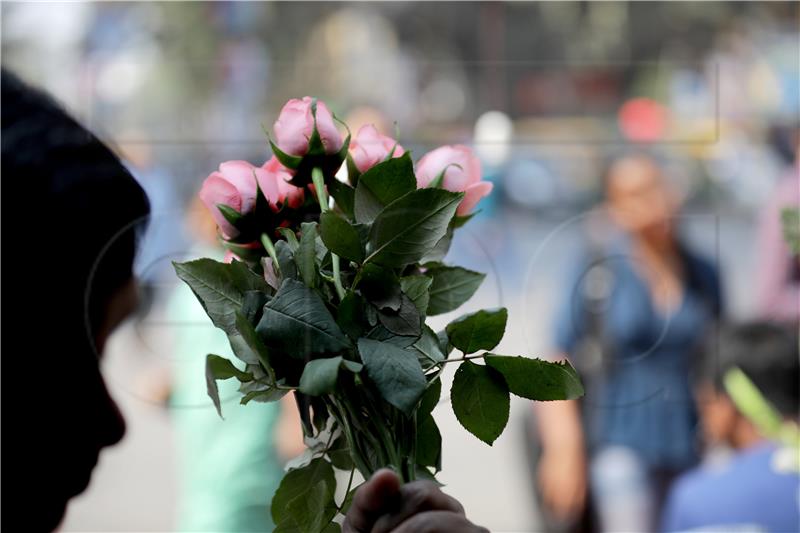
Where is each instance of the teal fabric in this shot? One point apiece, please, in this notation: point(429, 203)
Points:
point(228, 468)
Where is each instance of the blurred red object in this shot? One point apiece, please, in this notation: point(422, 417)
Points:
point(642, 120)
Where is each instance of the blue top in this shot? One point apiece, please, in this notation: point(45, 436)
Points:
point(643, 399)
point(748, 494)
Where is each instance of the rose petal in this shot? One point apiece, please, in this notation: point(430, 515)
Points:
point(462, 167)
point(331, 138)
point(217, 190)
point(473, 195)
point(273, 179)
point(294, 126)
point(369, 147)
point(240, 174)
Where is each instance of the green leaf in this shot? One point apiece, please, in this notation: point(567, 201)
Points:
point(291, 238)
point(535, 379)
point(459, 221)
point(405, 321)
point(339, 454)
point(444, 343)
point(395, 372)
point(340, 237)
point(287, 160)
point(381, 185)
point(480, 400)
point(285, 260)
point(243, 252)
point(306, 255)
point(319, 376)
point(352, 171)
point(416, 288)
point(299, 483)
point(423, 473)
point(429, 443)
point(297, 321)
point(231, 215)
point(343, 195)
point(303, 402)
point(320, 413)
point(250, 344)
point(220, 368)
point(350, 315)
point(482, 330)
point(430, 399)
point(428, 348)
point(380, 333)
point(220, 288)
point(265, 395)
point(439, 251)
point(451, 287)
point(253, 304)
point(411, 226)
point(379, 286)
point(309, 512)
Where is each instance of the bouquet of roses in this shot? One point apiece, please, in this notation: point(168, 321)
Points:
point(325, 290)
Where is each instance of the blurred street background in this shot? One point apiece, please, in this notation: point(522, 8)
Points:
point(544, 92)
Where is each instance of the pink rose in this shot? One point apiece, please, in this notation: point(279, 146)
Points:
point(368, 148)
point(295, 125)
point(465, 177)
point(233, 185)
point(273, 179)
point(229, 257)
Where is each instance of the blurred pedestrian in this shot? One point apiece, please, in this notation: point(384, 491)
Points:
point(778, 277)
point(748, 396)
point(634, 312)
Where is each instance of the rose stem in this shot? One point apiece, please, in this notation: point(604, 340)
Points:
point(322, 197)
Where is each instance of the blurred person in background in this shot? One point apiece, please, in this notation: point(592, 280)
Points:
point(748, 397)
point(229, 469)
point(778, 281)
point(165, 235)
point(90, 214)
point(634, 311)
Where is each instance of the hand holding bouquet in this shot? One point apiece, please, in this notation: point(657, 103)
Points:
point(325, 291)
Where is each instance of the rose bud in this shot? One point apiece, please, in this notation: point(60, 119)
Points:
point(459, 169)
point(273, 180)
point(368, 148)
point(295, 125)
point(234, 185)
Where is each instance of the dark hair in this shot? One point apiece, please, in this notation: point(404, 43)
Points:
point(77, 213)
point(83, 210)
point(767, 353)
